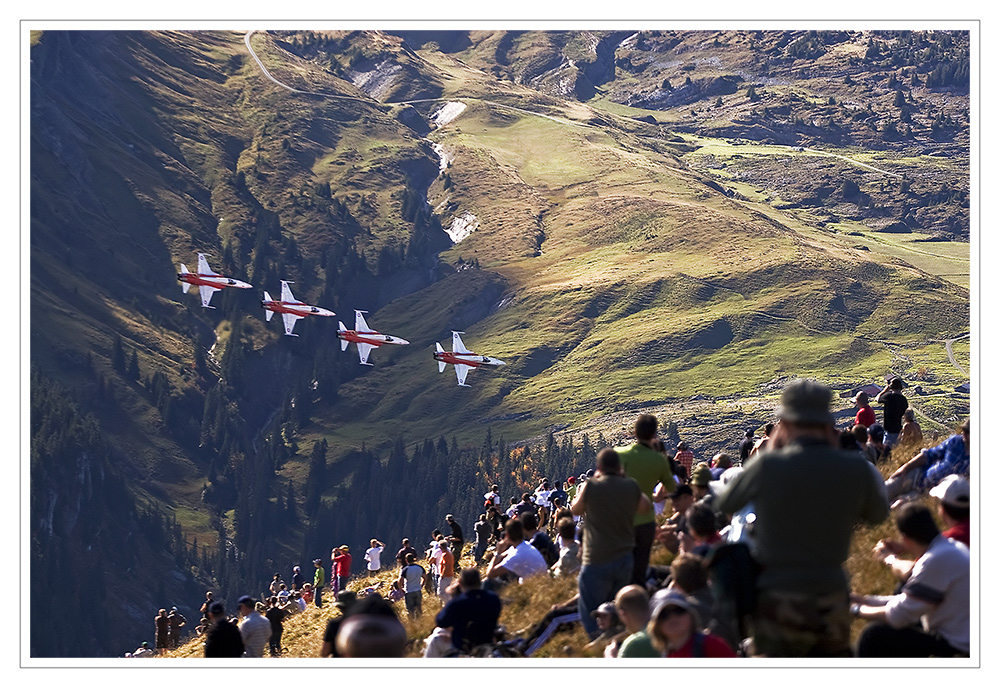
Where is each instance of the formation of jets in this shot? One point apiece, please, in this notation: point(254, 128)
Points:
point(292, 310)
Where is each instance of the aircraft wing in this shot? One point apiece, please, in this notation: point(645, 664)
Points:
point(290, 319)
point(363, 351)
point(286, 293)
point(359, 322)
point(461, 370)
point(203, 266)
point(206, 294)
point(457, 345)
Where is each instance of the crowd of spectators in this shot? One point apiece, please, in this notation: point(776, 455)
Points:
point(751, 573)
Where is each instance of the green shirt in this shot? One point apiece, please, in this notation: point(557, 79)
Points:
point(638, 645)
point(647, 467)
point(318, 577)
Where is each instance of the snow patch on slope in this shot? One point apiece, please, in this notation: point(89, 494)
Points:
point(462, 226)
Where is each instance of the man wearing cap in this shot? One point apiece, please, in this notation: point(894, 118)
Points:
point(223, 638)
point(893, 405)
point(866, 414)
point(254, 628)
point(648, 467)
point(932, 465)
point(802, 590)
point(953, 507)
point(319, 580)
point(935, 595)
point(608, 503)
point(341, 570)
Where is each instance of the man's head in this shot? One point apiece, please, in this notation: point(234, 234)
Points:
point(915, 523)
point(371, 630)
point(876, 433)
point(645, 427)
point(411, 558)
point(953, 494)
point(526, 497)
point(606, 615)
point(469, 579)
point(860, 434)
point(896, 384)
point(530, 522)
point(514, 530)
point(749, 433)
point(689, 573)
point(632, 603)
point(700, 521)
point(494, 488)
point(216, 611)
point(608, 462)
point(567, 529)
point(806, 403)
point(246, 604)
point(681, 498)
point(701, 476)
point(449, 518)
point(722, 460)
point(317, 562)
point(908, 415)
point(860, 399)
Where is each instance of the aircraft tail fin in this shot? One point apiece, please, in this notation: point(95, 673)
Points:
point(268, 314)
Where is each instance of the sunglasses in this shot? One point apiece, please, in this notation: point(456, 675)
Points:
point(668, 612)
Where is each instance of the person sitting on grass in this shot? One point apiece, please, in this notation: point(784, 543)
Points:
point(674, 630)
point(932, 465)
point(514, 559)
point(935, 595)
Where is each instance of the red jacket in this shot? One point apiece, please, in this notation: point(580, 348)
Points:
point(342, 564)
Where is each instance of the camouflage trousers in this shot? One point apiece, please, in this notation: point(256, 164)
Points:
point(793, 624)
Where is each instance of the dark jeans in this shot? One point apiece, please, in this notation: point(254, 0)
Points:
point(599, 583)
point(414, 602)
point(644, 535)
point(317, 595)
point(882, 640)
point(275, 642)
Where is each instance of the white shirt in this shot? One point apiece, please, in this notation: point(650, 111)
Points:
point(372, 557)
point(936, 594)
point(524, 561)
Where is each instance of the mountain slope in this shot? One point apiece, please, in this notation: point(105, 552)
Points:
point(612, 262)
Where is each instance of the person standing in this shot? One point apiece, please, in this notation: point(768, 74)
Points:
point(319, 580)
point(608, 503)
point(276, 616)
point(413, 578)
point(176, 623)
point(373, 555)
point(645, 465)
point(162, 636)
point(457, 539)
point(802, 605)
point(866, 414)
point(405, 548)
point(341, 571)
point(297, 579)
point(484, 531)
point(894, 404)
point(254, 628)
point(746, 446)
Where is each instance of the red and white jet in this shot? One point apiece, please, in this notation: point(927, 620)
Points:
point(207, 280)
point(365, 337)
point(463, 359)
point(291, 309)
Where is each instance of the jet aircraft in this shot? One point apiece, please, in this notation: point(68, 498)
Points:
point(365, 337)
point(463, 359)
point(291, 309)
point(207, 280)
